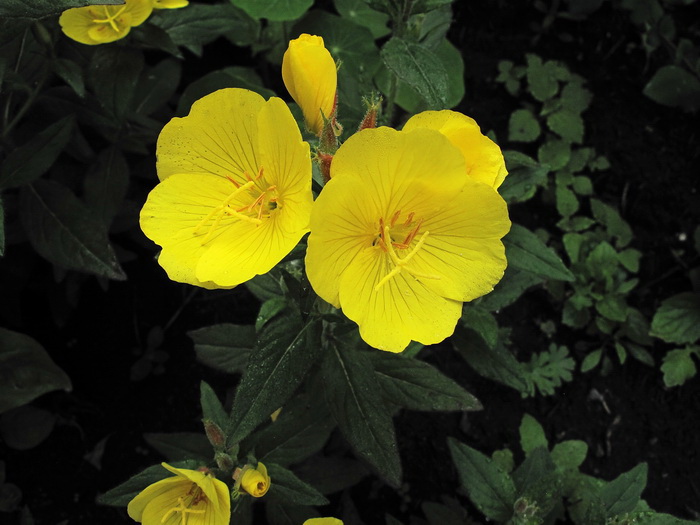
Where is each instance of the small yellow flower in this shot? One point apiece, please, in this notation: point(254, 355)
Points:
point(190, 496)
point(311, 77)
point(483, 157)
point(169, 4)
point(323, 521)
point(400, 237)
point(254, 481)
point(101, 24)
point(235, 191)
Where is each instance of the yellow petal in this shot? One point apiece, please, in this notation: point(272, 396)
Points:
point(216, 491)
point(169, 4)
point(165, 490)
point(323, 521)
point(310, 75)
point(217, 137)
point(101, 24)
point(139, 10)
point(483, 157)
point(401, 310)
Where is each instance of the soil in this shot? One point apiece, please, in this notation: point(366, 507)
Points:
point(627, 417)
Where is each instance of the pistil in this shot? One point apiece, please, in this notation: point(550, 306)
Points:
point(110, 18)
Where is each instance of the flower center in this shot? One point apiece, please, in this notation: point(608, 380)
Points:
point(111, 19)
point(408, 230)
point(192, 499)
point(247, 202)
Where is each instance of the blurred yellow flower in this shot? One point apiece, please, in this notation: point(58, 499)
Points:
point(483, 157)
point(169, 4)
point(311, 77)
point(400, 237)
point(235, 191)
point(255, 481)
point(101, 24)
point(323, 521)
point(190, 496)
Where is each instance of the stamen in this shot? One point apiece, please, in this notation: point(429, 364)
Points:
point(219, 209)
point(400, 264)
point(409, 219)
point(183, 509)
point(395, 218)
point(110, 18)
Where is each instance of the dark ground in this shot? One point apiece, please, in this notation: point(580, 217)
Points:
point(97, 442)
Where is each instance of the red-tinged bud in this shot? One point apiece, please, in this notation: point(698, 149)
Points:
point(373, 105)
point(324, 162)
point(215, 435)
point(328, 139)
point(224, 461)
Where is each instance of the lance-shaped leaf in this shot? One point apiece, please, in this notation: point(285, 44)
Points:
point(355, 400)
point(418, 67)
point(115, 70)
point(64, 231)
point(491, 490)
point(622, 494)
point(285, 487)
point(34, 158)
point(224, 347)
point(284, 353)
point(212, 409)
point(35, 9)
point(525, 251)
point(106, 184)
point(416, 385)
point(26, 370)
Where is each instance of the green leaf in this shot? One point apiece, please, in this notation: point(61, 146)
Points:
point(678, 319)
point(418, 67)
point(359, 12)
point(224, 347)
point(525, 251)
point(566, 124)
point(36, 9)
point(542, 78)
point(534, 478)
point(567, 203)
point(554, 153)
point(354, 398)
point(32, 159)
point(200, 24)
point(583, 185)
point(181, 446)
point(268, 310)
point(525, 175)
point(613, 222)
point(523, 126)
point(285, 351)
point(156, 86)
point(121, 495)
point(25, 427)
point(613, 307)
point(71, 73)
point(531, 435)
point(548, 370)
point(416, 385)
point(285, 487)
point(569, 454)
point(514, 283)
point(482, 322)
point(26, 371)
point(678, 366)
point(114, 73)
point(674, 86)
point(622, 494)
point(490, 490)
point(212, 409)
point(274, 10)
point(301, 429)
point(591, 360)
point(575, 98)
point(106, 183)
point(494, 363)
point(64, 231)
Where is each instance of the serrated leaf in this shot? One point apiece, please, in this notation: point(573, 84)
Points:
point(613, 307)
point(525, 251)
point(212, 409)
point(181, 446)
point(548, 370)
point(622, 494)
point(285, 351)
point(64, 231)
point(224, 347)
point(537, 468)
point(106, 183)
point(354, 398)
point(417, 66)
point(575, 98)
point(114, 72)
point(532, 434)
point(613, 222)
point(36, 9)
point(678, 366)
point(566, 124)
point(416, 385)
point(285, 487)
point(678, 319)
point(674, 86)
point(569, 454)
point(27, 371)
point(274, 10)
point(541, 78)
point(490, 490)
point(523, 126)
point(32, 159)
point(554, 153)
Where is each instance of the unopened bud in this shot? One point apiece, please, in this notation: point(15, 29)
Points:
point(215, 435)
point(373, 104)
point(324, 162)
point(223, 461)
point(251, 480)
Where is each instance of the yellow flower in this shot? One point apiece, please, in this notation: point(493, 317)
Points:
point(311, 77)
point(190, 496)
point(101, 24)
point(483, 157)
point(400, 237)
point(235, 191)
point(255, 481)
point(169, 4)
point(323, 521)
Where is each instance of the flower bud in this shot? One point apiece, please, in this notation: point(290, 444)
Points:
point(215, 434)
point(223, 461)
point(254, 481)
point(373, 104)
point(310, 75)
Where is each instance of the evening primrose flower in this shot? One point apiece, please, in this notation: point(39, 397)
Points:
point(483, 157)
point(311, 77)
point(101, 24)
point(169, 4)
point(235, 191)
point(253, 480)
point(400, 237)
point(191, 496)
